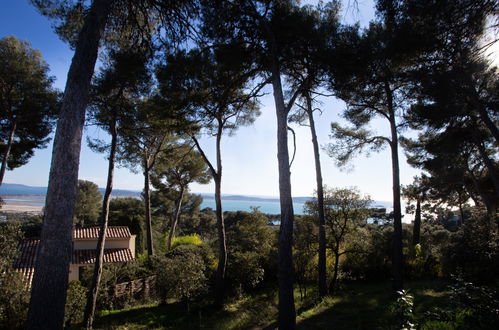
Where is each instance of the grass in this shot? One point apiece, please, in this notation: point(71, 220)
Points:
point(356, 306)
point(366, 306)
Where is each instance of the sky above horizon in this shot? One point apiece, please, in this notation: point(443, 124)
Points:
point(249, 157)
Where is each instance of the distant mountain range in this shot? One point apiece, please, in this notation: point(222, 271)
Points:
point(20, 189)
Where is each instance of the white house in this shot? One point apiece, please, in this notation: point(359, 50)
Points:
point(119, 247)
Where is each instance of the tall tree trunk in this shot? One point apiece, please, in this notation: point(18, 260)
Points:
point(320, 202)
point(490, 166)
point(222, 247)
point(461, 213)
point(101, 243)
point(147, 203)
point(416, 231)
point(55, 249)
point(7, 151)
point(484, 116)
point(335, 270)
point(287, 313)
point(483, 195)
point(175, 218)
point(397, 256)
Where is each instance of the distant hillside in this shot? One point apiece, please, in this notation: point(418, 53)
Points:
point(254, 198)
point(20, 189)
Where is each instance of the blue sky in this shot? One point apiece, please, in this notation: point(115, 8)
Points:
point(249, 157)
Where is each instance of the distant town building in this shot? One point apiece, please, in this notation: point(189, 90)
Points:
point(119, 247)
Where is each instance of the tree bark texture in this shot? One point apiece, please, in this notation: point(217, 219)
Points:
point(147, 204)
point(335, 270)
point(222, 246)
point(7, 152)
point(94, 289)
point(416, 231)
point(489, 164)
point(320, 203)
point(484, 116)
point(216, 173)
point(50, 280)
point(461, 213)
point(287, 313)
point(397, 256)
point(174, 222)
point(487, 202)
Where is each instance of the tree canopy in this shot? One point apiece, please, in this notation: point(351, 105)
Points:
point(28, 103)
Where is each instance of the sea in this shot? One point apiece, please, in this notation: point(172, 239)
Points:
point(35, 196)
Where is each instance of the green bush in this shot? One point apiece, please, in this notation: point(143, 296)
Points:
point(474, 250)
point(250, 245)
point(14, 300)
point(471, 307)
point(186, 240)
point(14, 296)
point(402, 312)
point(76, 300)
point(438, 325)
point(374, 263)
point(181, 274)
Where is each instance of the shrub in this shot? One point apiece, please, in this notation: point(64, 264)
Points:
point(75, 303)
point(250, 244)
point(374, 262)
point(186, 240)
point(14, 297)
point(14, 300)
point(472, 307)
point(181, 274)
point(474, 250)
point(402, 311)
point(482, 301)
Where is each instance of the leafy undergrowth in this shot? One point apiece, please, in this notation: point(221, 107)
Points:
point(357, 306)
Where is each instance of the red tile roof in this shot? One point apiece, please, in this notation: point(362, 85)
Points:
point(82, 257)
point(93, 232)
point(25, 263)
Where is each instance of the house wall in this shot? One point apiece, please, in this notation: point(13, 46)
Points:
point(74, 272)
point(131, 244)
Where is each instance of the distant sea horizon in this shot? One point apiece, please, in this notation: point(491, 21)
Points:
point(35, 196)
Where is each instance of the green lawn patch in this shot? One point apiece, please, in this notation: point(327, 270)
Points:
point(356, 306)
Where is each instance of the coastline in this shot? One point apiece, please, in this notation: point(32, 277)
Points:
point(21, 208)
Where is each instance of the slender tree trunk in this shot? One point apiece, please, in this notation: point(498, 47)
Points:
point(175, 218)
point(320, 202)
point(7, 152)
point(335, 270)
point(416, 231)
point(472, 194)
point(397, 257)
point(287, 313)
point(50, 280)
point(101, 243)
point(147, 203)
point(483, 195)
point(222, 247)
point(490, 166)
point(461, 213)
point(484, 116)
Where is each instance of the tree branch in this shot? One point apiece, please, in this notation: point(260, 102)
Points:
point(198, 146)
